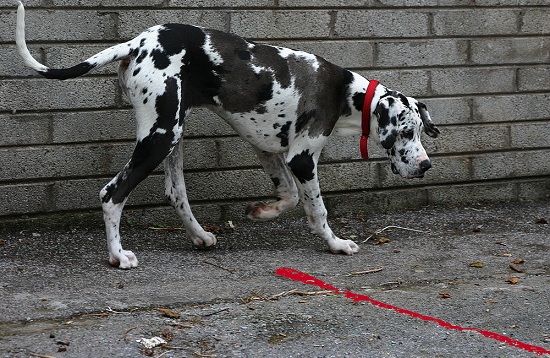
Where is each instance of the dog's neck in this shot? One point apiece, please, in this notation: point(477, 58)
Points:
point(350, 124)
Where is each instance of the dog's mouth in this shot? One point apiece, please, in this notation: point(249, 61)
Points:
point(418, 174)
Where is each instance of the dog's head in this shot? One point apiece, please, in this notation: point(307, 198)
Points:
point(401, 120)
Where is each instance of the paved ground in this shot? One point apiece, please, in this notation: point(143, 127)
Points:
point(60, 298)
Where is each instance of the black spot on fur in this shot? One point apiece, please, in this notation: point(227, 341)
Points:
point(141, 56)
point(136, 71)
point(243, 55)
point(404, 100)
point(160, 59)
point(358, 100)
point(283, 134)
point(303, 120)
point(302, 166)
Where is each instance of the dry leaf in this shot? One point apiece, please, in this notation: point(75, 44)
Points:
point(515, 268)
point(512, 280)
point(541, 221)
point(518, 261)
point(382, 240)
point(167, 312)
point(444, 295)
point(477, 264)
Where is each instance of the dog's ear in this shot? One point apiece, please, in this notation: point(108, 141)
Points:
point(429, 126)
point(387, 126)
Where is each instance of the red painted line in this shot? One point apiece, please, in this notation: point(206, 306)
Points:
point(311, 280)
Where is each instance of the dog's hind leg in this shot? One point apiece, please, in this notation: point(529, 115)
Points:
point(285, 187)
point(175, 191)
point(159, 129)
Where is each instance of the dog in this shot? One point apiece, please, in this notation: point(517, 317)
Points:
point(285, 103)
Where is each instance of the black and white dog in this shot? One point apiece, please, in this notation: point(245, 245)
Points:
point(285, 103)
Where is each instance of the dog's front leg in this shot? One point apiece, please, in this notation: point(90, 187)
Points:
point(175, 191)
point(304, 167)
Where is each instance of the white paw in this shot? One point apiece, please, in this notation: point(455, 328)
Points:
point(339, 246)
point(125, 260)
point(204, 240)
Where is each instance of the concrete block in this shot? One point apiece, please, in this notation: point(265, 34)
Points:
point(63, 161)
point(61, 25)
point(449, 110)
point(341, 148)
point(530, 135)
point(420, 53)
point(222, 3)
point(281, 24)
point(475, 22)
point(227, 152)
point(472, 138)
point(534, 78)
point(11, 64)
point(92, 126)
point(501, 51)
point(510, 164)
point(454, 81)
point(133, 22)
point(36, 94)
point(375, 201)
point(228, 184)
point(414, 83)
point(511, 107)
point(203, 122)
point(535, 20)
point(25, 198)
point(538, 189)
point(348, 176)
point(24, 129)
point(323, 3)
point(381, 23)
point(471, 194)
point(347, 54)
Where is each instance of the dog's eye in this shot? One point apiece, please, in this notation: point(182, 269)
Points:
point(409, 134)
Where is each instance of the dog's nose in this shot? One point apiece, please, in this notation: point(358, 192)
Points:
point(425, 165)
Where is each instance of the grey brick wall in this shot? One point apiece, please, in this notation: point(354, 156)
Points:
point(482, 69)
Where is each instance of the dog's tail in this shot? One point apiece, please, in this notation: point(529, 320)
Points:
point(102, 58)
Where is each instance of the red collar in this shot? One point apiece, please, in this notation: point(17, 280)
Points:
point(365, 118)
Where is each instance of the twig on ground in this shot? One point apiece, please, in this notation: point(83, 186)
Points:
point(284, 294)
point(218, 266)
point(215, 312)
point(126, 334)
point(376, 269)
point(166, 228)
point(40, 355)
point(390, 227)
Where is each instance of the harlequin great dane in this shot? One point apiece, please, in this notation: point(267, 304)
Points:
point(285, 103)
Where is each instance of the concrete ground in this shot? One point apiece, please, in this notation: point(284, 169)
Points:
point(60, 298)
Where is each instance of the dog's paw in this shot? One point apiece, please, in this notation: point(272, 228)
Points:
point(204, 240)
point(261, 211)
point(339, 246)
point(126, 260)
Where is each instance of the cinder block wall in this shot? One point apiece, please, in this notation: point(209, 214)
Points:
point(482, 69)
